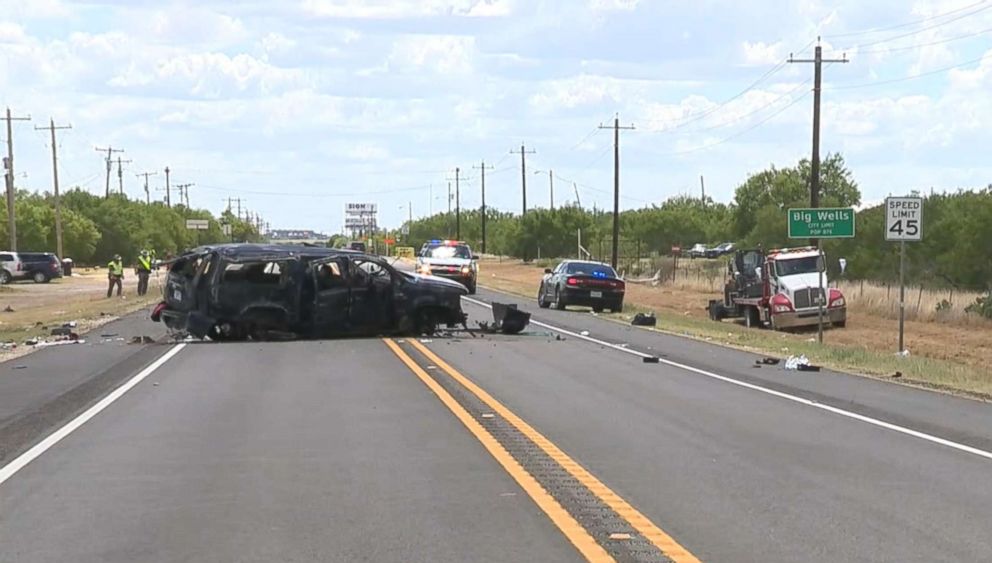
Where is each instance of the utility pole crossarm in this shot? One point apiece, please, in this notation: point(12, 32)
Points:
point(148, 196)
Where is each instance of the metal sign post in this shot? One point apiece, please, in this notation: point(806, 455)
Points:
point(903, 222)
point(822, 295)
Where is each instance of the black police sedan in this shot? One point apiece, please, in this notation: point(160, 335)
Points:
point(576, 282)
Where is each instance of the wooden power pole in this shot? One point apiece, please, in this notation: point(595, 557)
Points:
point(55, 184)
point(9, 176)
point(616, 186)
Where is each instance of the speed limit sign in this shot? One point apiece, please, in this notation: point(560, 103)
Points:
point(904, 219)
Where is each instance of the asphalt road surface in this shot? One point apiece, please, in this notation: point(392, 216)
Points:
point(560, 444)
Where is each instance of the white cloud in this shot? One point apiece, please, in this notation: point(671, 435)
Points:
point(393, 9)
point(583, 90)
point(34, 9)
point(611, 5)
point(762, 54)
point(444, 54)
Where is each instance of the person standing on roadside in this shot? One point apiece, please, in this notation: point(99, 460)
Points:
point(143, 270)
point(115, 276)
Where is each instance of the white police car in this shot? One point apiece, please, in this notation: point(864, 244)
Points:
point(450, 259)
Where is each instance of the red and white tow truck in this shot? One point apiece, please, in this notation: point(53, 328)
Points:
point(781, 288)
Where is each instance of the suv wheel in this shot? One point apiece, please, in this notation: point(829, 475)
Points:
point(541, 301)
point(39, 277)
point(5, 277)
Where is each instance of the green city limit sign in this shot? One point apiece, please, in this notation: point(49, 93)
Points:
point(823, 222)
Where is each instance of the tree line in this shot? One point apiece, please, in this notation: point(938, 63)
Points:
point(954, 252)
point(94, 228)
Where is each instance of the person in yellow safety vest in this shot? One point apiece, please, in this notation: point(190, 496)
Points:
point(115, 274)
point(143, 270)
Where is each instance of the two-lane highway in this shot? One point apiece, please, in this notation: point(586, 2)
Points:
point(536, 447)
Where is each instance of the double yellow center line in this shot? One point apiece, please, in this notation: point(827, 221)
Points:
point(575, 532)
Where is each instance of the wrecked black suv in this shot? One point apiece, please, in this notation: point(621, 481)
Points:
point(241, 291)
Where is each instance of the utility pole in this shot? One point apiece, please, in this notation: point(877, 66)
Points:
point(458, 206)
point(814, 183)
point(483, 168)
point(184, 192)
point(616, 186)
point(55, 184)
point(523, 152)
point(578, 201)
point(148, 196)
point(168, 189)
point(9, 166)
point(702, 190)
point(551, 179)
point(120, 173)
point(110, 164)
point(449, 197)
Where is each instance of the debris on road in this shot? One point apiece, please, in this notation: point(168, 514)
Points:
point(61, 331)
point(426, 341)
point(108, 335)
point(584, 333)
point(640, 319)
point(897, 375)
point(651, 359)
point(8, 309)
point(768, 361)
point(800, 363)
point(20, 367)
point(793, 362)
point(144, 339)
point(508, 319)
point(47, 343)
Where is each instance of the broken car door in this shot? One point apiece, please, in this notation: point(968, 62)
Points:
point(371, 295)
point(332, 297)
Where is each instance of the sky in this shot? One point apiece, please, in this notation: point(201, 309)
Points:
point(301, 106)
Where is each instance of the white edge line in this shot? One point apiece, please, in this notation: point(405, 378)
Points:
point(41, 447)
point(781, 395)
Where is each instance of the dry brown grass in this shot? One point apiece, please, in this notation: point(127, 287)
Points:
point(80, 298)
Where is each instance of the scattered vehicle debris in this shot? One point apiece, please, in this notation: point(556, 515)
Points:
point(508, 319)
point(261, 292)
point(142, 340)
point(800, 363)
point(640, 319)
point(768, 361)
point(584, 333)
point(651, 359)
point(61, 331)
point(897, 374)
point(8, 309)
point(108, 335)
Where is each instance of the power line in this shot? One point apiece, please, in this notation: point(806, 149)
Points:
point(921, 30)
point(743, 131)
point(907, 24)
point(919, 45)
point(905, 78)
point(317, 195)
